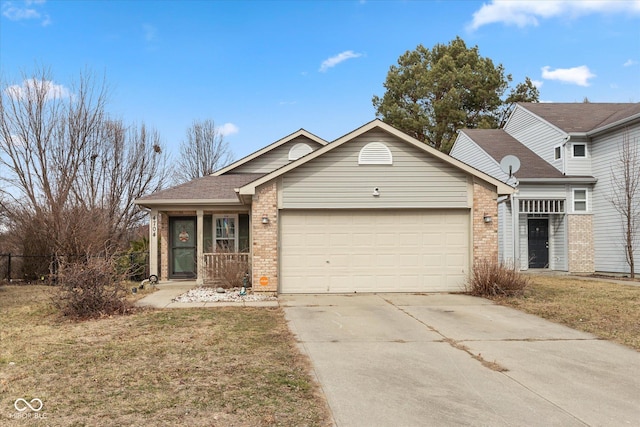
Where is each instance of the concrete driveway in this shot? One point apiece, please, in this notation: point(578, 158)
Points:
point(443, 360)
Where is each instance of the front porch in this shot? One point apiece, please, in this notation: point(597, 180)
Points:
point(208, 247)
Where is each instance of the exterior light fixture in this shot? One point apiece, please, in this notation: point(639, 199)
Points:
point(265, 219)
point(487, 218)
point(376, 192)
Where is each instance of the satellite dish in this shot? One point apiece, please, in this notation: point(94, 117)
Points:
point(510, 164)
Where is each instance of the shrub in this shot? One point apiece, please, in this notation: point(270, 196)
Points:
point(91, 289)
point(491, 279)
point(228, 269)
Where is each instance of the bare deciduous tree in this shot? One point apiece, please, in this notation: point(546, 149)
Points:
point(69, 173)
point(203, 152)
point(625, 197)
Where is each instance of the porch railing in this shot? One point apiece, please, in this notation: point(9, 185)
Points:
point(229, 267)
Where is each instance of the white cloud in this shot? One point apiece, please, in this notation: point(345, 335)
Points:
point(228, 129)
point(32, 86)
point(629, 63)
point(537, 83)
point(576, 75)
point(335, 60)
point(18, 11)
point(524, 13)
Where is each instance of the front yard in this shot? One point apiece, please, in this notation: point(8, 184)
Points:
point(196, 367)
point(608, 310)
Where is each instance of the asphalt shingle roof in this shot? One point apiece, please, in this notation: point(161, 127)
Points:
point(205, 188)
point(582, 116)
point(497, 143)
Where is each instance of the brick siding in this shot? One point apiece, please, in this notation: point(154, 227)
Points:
point(581, 247)
point(264, 262)
point(485, 234)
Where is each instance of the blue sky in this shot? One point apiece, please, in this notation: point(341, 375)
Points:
point(264, 69)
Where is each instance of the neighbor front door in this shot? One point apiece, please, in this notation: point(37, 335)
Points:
point(183, 240)
point(538, 242)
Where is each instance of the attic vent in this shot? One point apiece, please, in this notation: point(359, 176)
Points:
point(299, 150)
point(375, 153)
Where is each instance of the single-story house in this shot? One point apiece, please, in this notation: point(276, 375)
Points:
point(373, 211)
point(561, 216)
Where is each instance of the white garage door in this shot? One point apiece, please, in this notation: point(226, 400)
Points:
point(373, 251)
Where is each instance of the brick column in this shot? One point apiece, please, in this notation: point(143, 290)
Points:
point(580, 241)
point(485, 234)
point(264, 254)
point(164, 246)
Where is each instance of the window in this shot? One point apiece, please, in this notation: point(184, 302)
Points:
point(557, 152)
point(226, 234)
point(375, 153)
point(580, 200)
point(579, 150)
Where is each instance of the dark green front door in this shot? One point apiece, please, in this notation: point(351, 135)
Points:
point(182, 237)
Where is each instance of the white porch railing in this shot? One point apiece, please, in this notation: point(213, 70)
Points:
point(220, 267)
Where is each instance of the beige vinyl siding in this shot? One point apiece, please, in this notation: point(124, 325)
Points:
point(607, 225)
point(469, 152)
point(539, 136)
point(274, 159)
point(414, 180)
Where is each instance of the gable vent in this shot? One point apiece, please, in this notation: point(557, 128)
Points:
point(299, 150)
point(375, 153)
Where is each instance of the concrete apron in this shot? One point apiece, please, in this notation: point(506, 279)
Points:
point(423, 360)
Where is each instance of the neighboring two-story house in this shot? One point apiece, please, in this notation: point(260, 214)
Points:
point(561, 216)
point(373, 211)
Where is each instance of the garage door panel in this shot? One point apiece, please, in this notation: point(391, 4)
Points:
point(373, 251)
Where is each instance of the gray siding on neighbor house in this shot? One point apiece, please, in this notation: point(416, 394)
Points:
point(607, 223)
point(539, 136)
point(523, 243)
point(505, 233)
point(470, 153)
point(274, 159)
point(414, 180)
point(580, 166)
point(558, 242)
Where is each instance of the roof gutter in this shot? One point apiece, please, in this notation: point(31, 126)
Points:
point(187, 202)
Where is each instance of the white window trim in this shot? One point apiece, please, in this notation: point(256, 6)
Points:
point(236, 239)
point(586, 200)
point(554, 152)
point(586, 154)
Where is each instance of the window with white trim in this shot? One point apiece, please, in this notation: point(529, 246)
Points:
point(579, 150)
point(375, 153)
point(225, 233)
point(579, 199)
point(557, 152)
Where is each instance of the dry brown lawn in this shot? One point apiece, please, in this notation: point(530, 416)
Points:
point(608, 310)
point(195, 367)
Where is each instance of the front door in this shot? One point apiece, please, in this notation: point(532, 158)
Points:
point(538, 242)
point(183, 247)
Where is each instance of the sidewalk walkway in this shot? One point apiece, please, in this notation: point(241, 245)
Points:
point(166, 292)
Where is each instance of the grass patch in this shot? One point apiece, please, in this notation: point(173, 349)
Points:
point(197, 367)
point(607, 310)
